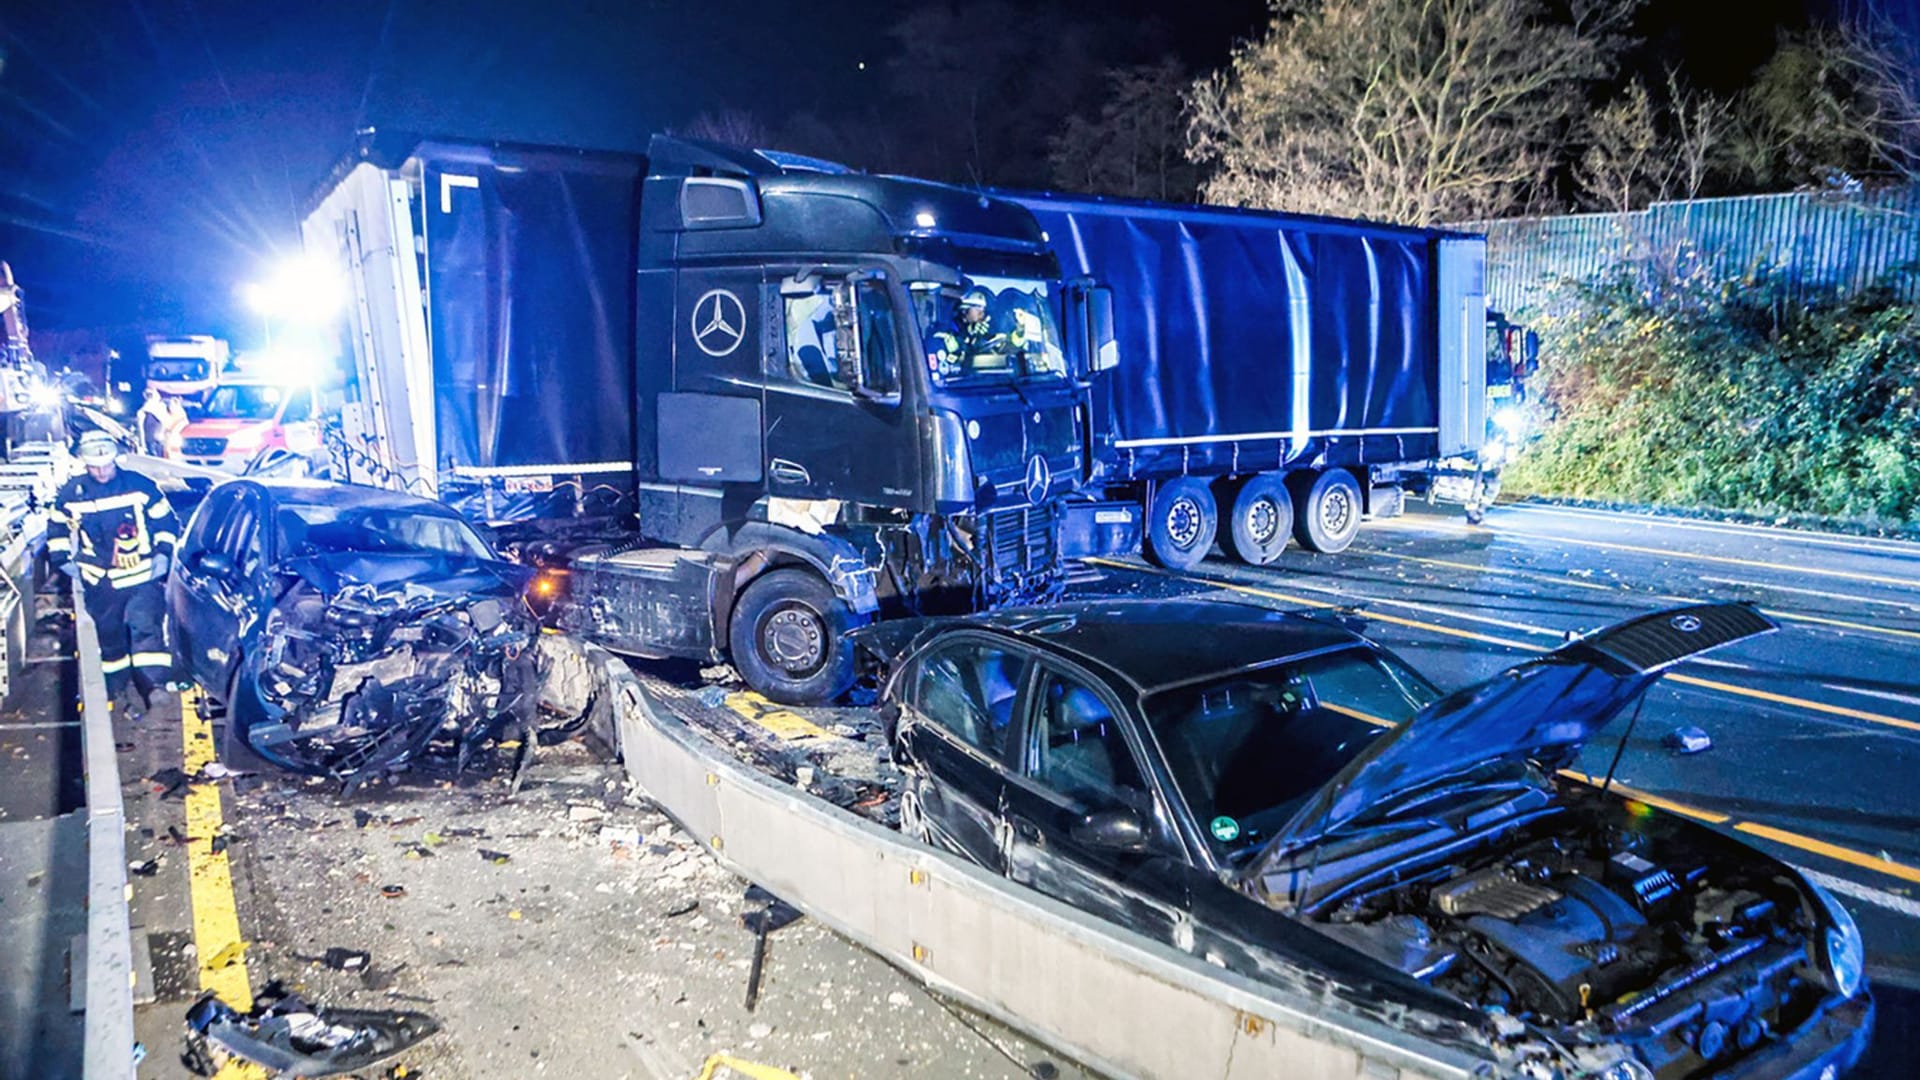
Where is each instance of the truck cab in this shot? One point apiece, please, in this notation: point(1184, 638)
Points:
point(843, 397)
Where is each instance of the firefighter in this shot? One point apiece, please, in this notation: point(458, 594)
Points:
point(971, 334)
point(117, 534)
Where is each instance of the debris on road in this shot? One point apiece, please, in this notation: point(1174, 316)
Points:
point(291, 1037)
point(1687, 740)
point(763, 921)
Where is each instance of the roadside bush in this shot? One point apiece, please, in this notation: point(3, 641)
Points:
point(1730, 396)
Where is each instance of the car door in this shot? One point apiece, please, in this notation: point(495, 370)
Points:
point(1079, 758)
point(955, 734)
point(225, 596)
point(194, 592)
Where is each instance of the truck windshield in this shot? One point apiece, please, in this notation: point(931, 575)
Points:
point(988, 329)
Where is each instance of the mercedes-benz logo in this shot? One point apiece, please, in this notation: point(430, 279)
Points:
point(1039, 478)
point(719, 322)
point(1686, 624)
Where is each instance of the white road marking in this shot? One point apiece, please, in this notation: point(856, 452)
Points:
point(1730, 528)
point(1821, 593)
point(1866, 894)
point(1884, 695)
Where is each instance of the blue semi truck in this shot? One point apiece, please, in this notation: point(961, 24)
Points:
point(1291, 374)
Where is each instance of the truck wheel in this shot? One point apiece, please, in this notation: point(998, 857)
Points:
point(789, 638)
point(1330, 514)
point(1261, 520)
point(1181, 524)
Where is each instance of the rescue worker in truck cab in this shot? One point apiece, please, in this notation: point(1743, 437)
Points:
point(116, 532)
point(959, 350)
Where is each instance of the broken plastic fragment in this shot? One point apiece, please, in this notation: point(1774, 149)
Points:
point(293, 1038)
point(1687, 740)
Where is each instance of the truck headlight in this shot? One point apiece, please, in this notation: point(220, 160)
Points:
point(1510, 419)
point(1846, 955)
point(46, 396)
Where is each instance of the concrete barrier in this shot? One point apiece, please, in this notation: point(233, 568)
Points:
point(1111, 999)
point(109, 990)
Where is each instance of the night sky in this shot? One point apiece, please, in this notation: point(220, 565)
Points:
point(154, 153)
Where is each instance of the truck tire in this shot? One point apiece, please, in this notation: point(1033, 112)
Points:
point(1329, 515)
point(1261, 521)
point(1181, 523)
point(788, 637)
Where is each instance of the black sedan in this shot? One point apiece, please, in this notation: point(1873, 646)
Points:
point(346, 627)
point(1279, 796)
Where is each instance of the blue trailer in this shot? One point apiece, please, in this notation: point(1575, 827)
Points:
point(1296, 372)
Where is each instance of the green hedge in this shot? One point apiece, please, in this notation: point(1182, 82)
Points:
point(1730, 397)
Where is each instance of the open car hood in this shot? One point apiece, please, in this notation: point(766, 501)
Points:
point(416, 573)
point(1543, 709)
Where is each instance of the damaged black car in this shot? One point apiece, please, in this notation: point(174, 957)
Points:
point(346, 628)
point(1278, 796)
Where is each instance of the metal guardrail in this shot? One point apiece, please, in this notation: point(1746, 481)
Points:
point(1119, 1002)
point(109, 997)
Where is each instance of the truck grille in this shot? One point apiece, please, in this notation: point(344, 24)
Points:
point(203, 447)
point(1021, 544)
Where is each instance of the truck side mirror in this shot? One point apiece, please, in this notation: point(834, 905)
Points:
point(1102, 348)
point(1530, 348)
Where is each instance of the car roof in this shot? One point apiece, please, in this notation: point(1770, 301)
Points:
point(297, 491)
point(1158, 644)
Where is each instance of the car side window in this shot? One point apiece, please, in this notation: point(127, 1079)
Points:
point(241, 538)
point(1075, 747)
point(969, 689)
point(213, 514)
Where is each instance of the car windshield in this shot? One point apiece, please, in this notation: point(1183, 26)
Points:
point(235, 402)
point(989, 329)
point(1248, 750)
point(309, 530)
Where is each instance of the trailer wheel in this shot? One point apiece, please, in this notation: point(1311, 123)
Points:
point(1329, 516)
point(1181, 524)
point(789, 638)
point(1261, 520)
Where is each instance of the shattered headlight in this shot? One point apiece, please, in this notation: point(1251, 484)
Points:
point(1846, 954)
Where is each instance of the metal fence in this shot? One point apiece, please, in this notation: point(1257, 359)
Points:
point(1811, 241)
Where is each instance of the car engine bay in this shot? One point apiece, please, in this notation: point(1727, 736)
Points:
point(360, 681)
point(1589, 924)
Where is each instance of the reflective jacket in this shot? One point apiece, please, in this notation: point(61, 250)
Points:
point(113, 530)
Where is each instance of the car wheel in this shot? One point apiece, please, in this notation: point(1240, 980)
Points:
point(1261, 521)
point(1181, 523)
point(1329, 516)
point(789, 638)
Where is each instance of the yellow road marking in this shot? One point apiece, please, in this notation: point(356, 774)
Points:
point(1802, 703)
point(216, 920)
point(1712, 817)
point(783, 723)
point(1832, 851)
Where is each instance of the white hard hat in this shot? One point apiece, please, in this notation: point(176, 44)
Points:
point(98, 448)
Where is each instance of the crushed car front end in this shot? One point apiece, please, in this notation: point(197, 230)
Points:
point(366, 660)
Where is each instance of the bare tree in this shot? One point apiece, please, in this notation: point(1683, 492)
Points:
point(1626, 165)
point(1702, 126)
point(1831, 105)
point(1135, 146)
point(735, 127)
point(1408, 110)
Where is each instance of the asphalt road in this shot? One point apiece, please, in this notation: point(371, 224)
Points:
point(1816, 730)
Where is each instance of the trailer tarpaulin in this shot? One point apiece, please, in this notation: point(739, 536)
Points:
point(529, 262)
point(1253, 332)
